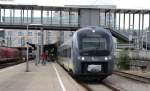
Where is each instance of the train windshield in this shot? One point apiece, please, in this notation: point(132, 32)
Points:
point(94, 43)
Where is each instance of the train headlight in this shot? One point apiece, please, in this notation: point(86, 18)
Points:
point(82, 58)
point(106, 58)
point(93, 31)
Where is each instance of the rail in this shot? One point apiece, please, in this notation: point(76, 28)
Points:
point(133, 76)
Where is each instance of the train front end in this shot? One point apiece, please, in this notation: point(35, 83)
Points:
point(95, 52)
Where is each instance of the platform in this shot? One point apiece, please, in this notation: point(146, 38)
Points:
point(49, 77)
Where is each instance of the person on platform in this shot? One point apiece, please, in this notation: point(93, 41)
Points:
point(43, 58)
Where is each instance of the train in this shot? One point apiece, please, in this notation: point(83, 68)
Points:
point(13, 54)
point(9, 54)
point(89, 54)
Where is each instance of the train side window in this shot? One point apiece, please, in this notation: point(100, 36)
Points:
point(64, 53)
point(69, 52)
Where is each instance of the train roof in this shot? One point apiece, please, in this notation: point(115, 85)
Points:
point(95, 28)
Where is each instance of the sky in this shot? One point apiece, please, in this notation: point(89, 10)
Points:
point(129, 4)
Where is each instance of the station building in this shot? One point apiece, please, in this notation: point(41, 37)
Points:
point(18, 38)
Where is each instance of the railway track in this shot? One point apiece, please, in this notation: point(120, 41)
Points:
point(115, 84)
point(105, 85)
point(112, 86)
point(133, 77)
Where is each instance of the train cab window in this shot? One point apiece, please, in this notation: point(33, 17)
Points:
point(94, 43)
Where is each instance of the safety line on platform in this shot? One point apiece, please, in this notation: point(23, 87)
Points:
point(59, 78)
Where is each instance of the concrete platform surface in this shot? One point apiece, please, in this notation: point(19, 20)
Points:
point(50, 77)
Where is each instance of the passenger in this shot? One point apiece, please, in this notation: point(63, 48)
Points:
point(46, 56)
point(43, 58)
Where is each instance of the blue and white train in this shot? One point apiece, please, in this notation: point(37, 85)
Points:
point(90, 53)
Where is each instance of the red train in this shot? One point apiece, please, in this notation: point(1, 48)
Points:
point(9, 54)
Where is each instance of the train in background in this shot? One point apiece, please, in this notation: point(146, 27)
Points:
point(89, 54)
point(23, 53)
point(9, 54)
